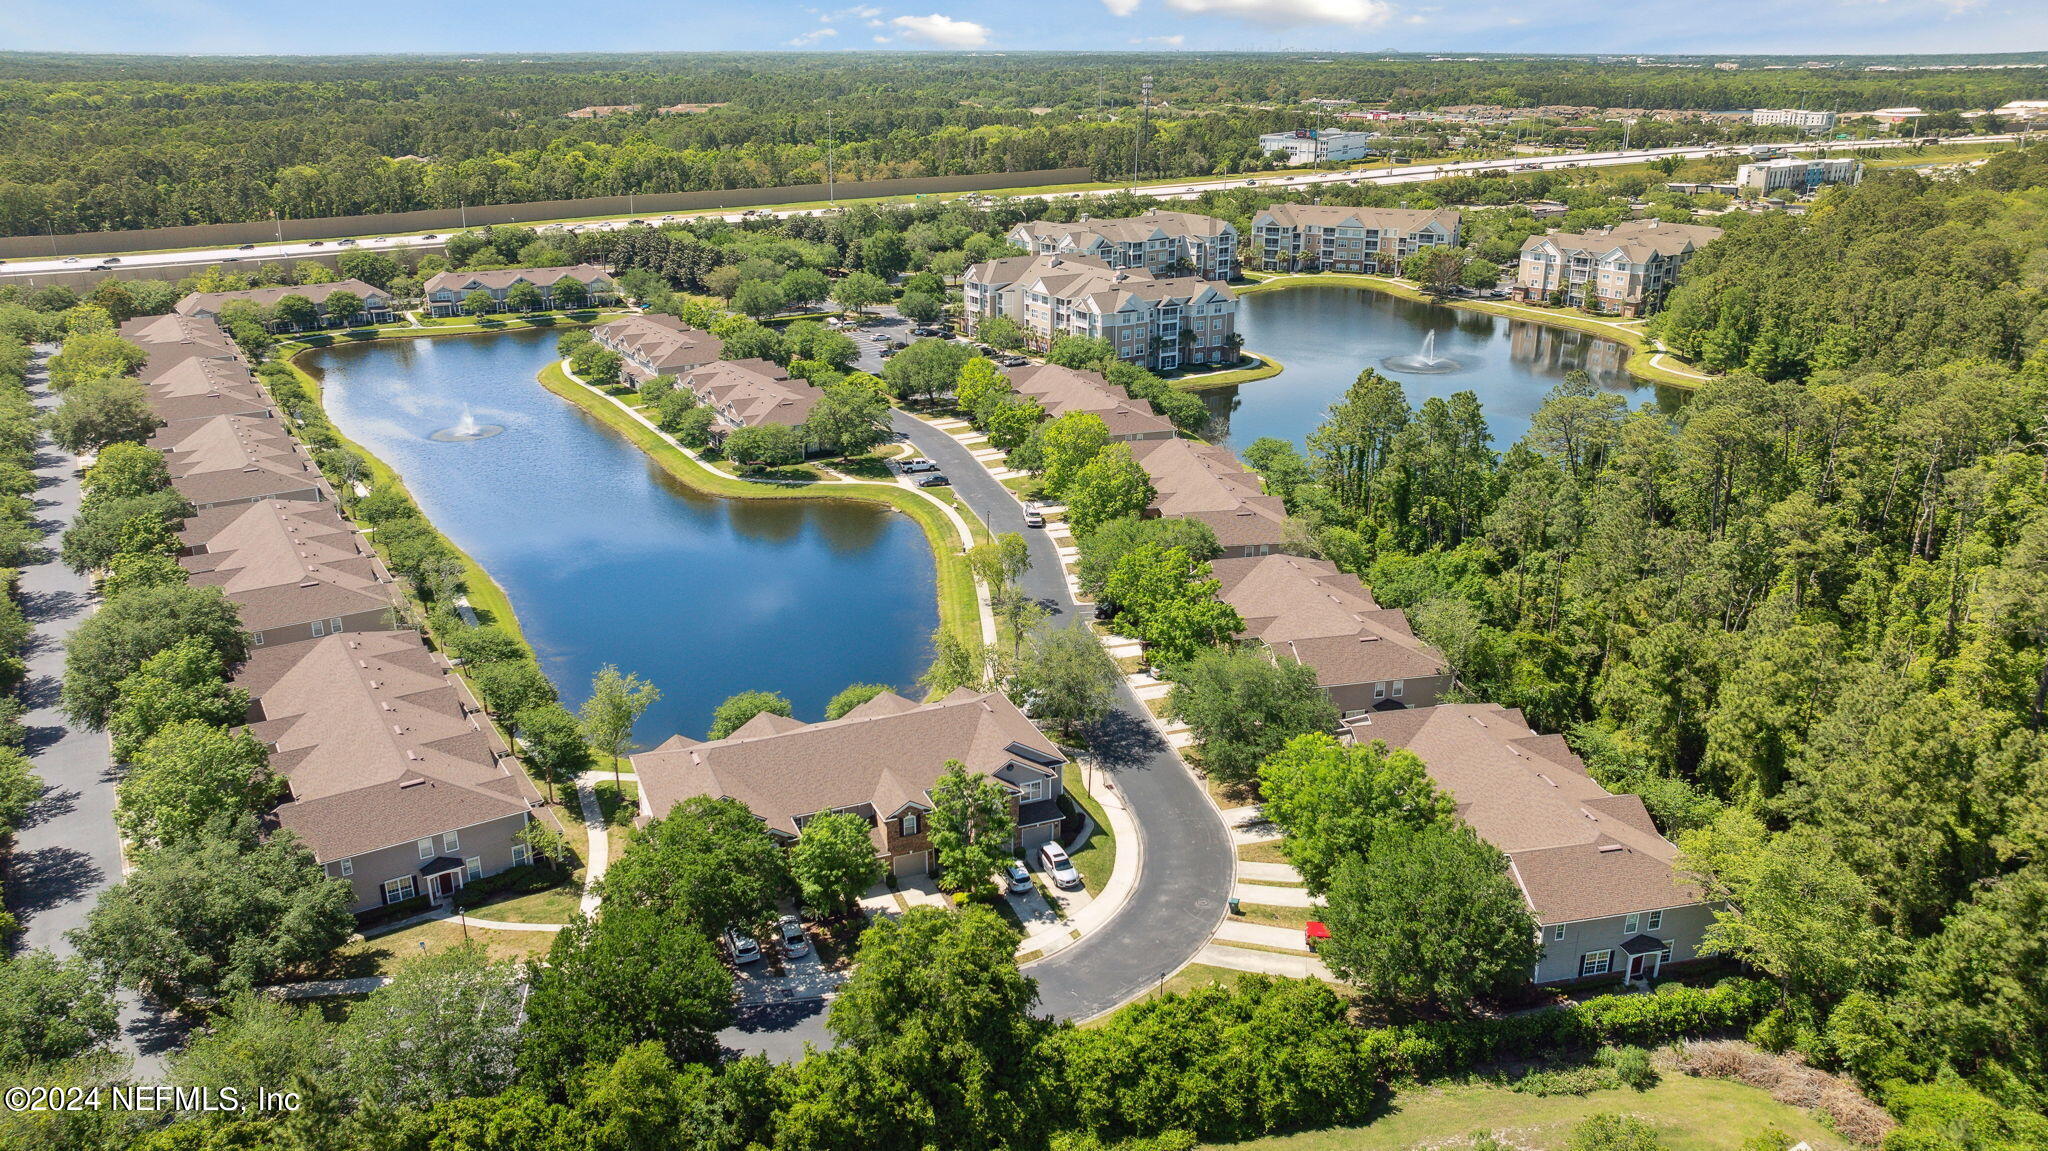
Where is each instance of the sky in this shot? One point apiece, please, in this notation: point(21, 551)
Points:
point(1573, 26)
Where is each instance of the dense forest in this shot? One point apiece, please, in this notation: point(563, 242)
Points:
point(109, 143)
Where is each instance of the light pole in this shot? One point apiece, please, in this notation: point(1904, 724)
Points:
point(831, 188)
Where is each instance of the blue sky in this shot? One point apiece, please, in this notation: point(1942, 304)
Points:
point(1756, 26)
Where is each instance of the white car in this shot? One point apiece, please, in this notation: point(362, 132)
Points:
point(1017, 875)
point(790, 933)
point(743, 947)
point(1054, 858)
point(919, 464)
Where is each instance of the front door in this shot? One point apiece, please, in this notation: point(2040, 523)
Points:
point(1641, 967)
point(445, 885)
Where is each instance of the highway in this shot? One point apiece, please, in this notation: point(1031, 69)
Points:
point(258, 253)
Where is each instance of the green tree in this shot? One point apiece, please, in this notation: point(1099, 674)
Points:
point(299, 314)
point(523, 297)
point(858, 291)
point(847, 420)
point(186, 775)
point(616, 703)
point(1428, 919)
point(185, 681)
point(757, 298)
point(1170, 602)
point(93, 356)
point(927, 368)
point(254, 1043)
point(569, 294)
point(445, 1027)
point(1351, 447)
point(344, 307)
point(920, 307)
point(852, 696)
point(114, 642)
point(1109, 487)
point(1242, 706)
point(1335, 802)
point(96, 534)
point(552, 745)
point(972, 828)
point(737, 709)
point(223, 911)
point(1104, 547)
point(765, 446)
point(96, 413)
point(710, 861)
point(123, 470)
point(513, 686)
point(632, 975)
point(1066, 678)
point(979, 382)
point(833, 862)
point(477, 304)
point(1066, 444)
point(803, 287)
point(1001, 333)
point(51, 1009)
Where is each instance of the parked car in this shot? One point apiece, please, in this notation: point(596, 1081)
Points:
point(1054, 858)
point(887, 352)
point(919, 464)
point(926, 330)
point(1033, 518)
point(794, 942)
point(231, 259)
point(742, 947)
point(935, 480)
point(1017, 875)
point(1013, 361)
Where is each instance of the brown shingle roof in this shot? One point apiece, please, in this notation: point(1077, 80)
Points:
point(1061, 390)
point(1577, 851)
point(283, 563)
point(1311, 611)
point(668, 345)
point(210, 303)
point(502, 278)
point(757, 392)
point(1197, 480)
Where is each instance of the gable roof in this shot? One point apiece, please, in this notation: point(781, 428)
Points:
point(1094, 283)
point(284, 562)
point(1197, 480)
point(499, 279)
point(1577, 851)
point(1337, 216)
point(1639, 240)
point(1061, 390)
point(1326, 618)
point(664, 342)
point(210, 303)
point(757, 391)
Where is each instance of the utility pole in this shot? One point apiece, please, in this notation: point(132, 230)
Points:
point(831, 189)
point(1144, 126)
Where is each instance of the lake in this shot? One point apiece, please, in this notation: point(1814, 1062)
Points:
point(1325, 336)
point(608, 559)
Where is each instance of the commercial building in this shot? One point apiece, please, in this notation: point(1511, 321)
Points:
point(1796, 174)
point(1595, 873)
point(1793, 118)
point(376, 303)
point(447, 293)
point(1163, 323)
point(1625, 269)
point(1162, 243)
point(879, 762)
point(1319, 145)
point(1364, 655)
point(1330, 238)
point(650, 344)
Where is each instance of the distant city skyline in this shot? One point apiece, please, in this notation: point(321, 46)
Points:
point(1651, 27)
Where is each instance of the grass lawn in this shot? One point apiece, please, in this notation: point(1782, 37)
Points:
point(553, 897)
point(382, 955)
point(618, 802)
point(1690, 1114)
point(957, 605)
point(1267, 852)
point(1097, 859)
point(1198, 975)
point(1268, 366)
point(1293, 918)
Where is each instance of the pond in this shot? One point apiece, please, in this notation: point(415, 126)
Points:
point(608, 559)
point(1325, 336)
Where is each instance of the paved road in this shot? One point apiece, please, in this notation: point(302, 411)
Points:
point(1178, 191)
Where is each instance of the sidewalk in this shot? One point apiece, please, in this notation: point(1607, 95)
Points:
point(1123, 878)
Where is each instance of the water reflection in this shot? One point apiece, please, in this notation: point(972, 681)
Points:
point(609, 559)
point(1326, 335)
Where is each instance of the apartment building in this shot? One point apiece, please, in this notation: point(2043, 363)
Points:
point(1365, 656)
point(377, 308)
point(447, 293)
point(1061, 390)
point(1330, 238)
point(1625, 269)
point(1162, 243)
point(1195, 480)
point(879, 762)
point(749, 393)
point(1161, 323)
point(1596, 875)
point(1796, 174)
point(1319, 145)
point(1793, 118)
point(650, 344)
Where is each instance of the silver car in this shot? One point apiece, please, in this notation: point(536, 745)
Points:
point(1057, 865)
point(1017, 875)
point(790, 930)
point(743, 947)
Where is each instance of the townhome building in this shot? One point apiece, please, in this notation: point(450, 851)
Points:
point(650, 344)
point(377, 307)
point(1162, 243)
point(1596, 874)
point(190, 446)
point(1160, 323)
point(749, 393)
point(879, 762)
point(1060, 390)
point(294, 569)
point(1365, 656)
point(172, 340)
point(1626, 269)
point(447, 293)
point(1195, 480)
point(1331, 238)
point(200, 389)
point(397, 782)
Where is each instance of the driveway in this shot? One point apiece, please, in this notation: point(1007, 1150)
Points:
point(1184, 887)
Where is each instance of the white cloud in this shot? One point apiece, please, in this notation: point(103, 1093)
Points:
point(1161, 41)
point(1352, 12)
point(813, 36)
point(943, 31)
point(1120, 7)
point(857, 12)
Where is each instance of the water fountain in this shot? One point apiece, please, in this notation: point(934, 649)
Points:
point(1425, 360)
point(467, 429)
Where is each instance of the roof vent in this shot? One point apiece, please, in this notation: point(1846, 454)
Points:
point(1607, 848)
point(403, 784)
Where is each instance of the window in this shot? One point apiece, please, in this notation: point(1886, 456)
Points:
point(450, 843)
point(1664, 956)
point(1656, 921)
point(256, 639)
point(334, 625)
point(473, 868)
point(1034, 790)
point(910, 823)
point(1399, 684)
point(398, 890)
point(1632, 924)
point(319, 627)
point(348, 868)
point(1379, 691)
point(521, 855)
point(1595, 963)
point(1557, 934)
point(426, 848)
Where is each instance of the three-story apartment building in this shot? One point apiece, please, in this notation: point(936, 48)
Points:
point(1330, 238)
point(1625, 269)
point(1162, 243)
point(1160, 323)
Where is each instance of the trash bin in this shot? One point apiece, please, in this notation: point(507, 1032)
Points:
point(1234, 909)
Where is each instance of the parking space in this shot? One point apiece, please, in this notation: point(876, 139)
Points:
point(802, 977)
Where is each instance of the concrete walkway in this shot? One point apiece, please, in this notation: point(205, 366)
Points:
point(1235, 930)
point(1270, 896)
point(1267, 872)
point(598, 850)
point(1265, 962)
